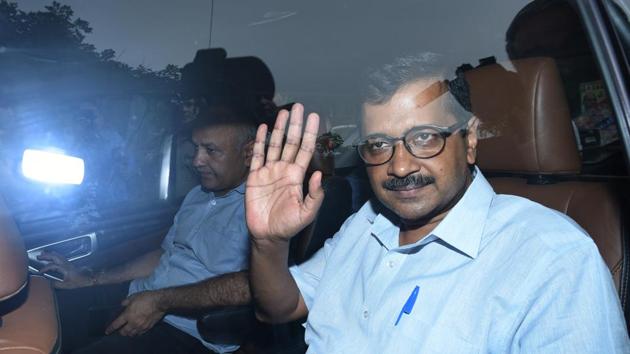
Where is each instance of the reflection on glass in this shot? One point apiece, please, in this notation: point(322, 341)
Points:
point(51, 167)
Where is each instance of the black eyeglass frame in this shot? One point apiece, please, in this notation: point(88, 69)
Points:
point(444, 132)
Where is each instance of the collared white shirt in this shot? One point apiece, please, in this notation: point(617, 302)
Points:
point(500, 274)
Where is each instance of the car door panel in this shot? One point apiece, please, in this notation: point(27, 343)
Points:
point(114, 237)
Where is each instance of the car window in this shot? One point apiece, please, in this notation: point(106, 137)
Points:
point(94, 82)
point(341, 41)
point(101, 81)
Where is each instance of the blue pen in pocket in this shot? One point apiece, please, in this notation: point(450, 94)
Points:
point(408, 306)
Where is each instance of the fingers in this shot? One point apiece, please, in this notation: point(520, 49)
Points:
point(54, 268)
point(45, 256)
point(133, 330)
point(258, 156)
point(116, 324)
point(298, 146)
point(309, 140)
point(130, 330)
point(294, 135)
point(277, 136)
point(315, 196)
point(53, 257)
point(135, 319)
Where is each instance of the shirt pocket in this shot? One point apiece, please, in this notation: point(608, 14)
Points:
point(223, 249)
point(422, 337)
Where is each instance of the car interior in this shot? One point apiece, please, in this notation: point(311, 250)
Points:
point(518, 161)
point(548, 80)
point(28, 313)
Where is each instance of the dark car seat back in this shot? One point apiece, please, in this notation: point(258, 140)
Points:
point(527, 147)
point(335, 209)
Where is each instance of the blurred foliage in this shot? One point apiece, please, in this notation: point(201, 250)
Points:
point(45, 52)
point(57, 90)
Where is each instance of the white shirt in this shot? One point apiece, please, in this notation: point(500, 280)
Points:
point(500, 274)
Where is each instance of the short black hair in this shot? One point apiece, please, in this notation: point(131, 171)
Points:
point(245, 84)
point(383, 83)
point(227, 112)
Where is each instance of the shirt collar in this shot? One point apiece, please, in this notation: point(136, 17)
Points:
point(462, 228)
point(240, 190)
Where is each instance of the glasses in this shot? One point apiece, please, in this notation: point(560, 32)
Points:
point(423, 142)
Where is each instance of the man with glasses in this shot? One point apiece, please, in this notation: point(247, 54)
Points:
point(437, 262)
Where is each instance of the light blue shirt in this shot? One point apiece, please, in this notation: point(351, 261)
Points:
point(208, 238)
point(500, 274)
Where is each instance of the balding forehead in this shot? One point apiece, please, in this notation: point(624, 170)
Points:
point(418, 103)
point(431, 93)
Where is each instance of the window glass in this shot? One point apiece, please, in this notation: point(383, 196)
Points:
point(101, 80)
point(319, 52)
point(97, 81)
point(553, 29)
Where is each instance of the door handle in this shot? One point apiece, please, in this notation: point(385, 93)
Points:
point(72, 249)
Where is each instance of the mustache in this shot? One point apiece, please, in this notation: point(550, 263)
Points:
point(409, 182)
point(202, 171)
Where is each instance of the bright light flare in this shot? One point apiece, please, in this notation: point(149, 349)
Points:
point(52, 167)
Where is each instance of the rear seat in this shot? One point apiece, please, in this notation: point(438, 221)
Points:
point(528, 148)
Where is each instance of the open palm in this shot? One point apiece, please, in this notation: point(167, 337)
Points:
point(275, 206)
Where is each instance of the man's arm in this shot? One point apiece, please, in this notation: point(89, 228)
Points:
point(144, 309)
point(275, 290)
point(75, 277)
point(139, 267)
point(276, 210)
point(230, 289)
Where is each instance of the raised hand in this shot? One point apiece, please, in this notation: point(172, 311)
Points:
point(73, 277)
point(275, 206)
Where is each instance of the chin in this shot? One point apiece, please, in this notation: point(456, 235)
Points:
point(208, 186)
point(408, 209)
point(413, 215)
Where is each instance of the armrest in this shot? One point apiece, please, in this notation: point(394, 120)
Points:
point(227, 325)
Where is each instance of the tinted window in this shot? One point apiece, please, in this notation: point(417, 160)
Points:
point(101, 80)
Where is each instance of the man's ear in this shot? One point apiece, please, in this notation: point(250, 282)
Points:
point(471, 140)
point(248, 152)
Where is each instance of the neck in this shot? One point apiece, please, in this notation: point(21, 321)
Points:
point(222, 192)
point(412, 231)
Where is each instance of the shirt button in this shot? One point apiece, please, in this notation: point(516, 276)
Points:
point(213, 202)
point(391, 264)
point(366, 314)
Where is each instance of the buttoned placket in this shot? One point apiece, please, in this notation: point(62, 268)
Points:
point(390, 266)
point(379, 283)
point(209, 205)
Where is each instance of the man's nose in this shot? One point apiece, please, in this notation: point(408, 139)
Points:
point(402, 163)
point(197, 160)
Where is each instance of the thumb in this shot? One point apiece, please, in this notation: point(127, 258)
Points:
point(315, 196)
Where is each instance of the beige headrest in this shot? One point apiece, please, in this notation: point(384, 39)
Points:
point(525, 121)
point(13, 260)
